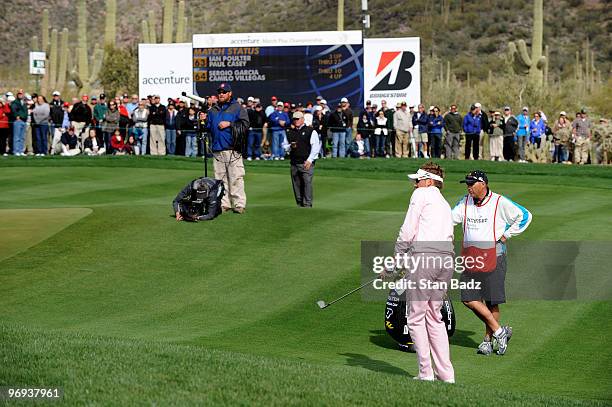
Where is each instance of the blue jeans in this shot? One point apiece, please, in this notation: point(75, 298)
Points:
point(141, 134)
point(19, 128)
point(366, 146)
point(191, 145)
point(339, 144)
point(277, 143)
point(170, 141)
point(349, 136)
point(40, 138)
point(254, 143)
point(561, 154)
point(379, 144)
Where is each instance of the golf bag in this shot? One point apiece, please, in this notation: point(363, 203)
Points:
point(397, 326)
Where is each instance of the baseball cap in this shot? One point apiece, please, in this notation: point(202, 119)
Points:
point(8, 94)
point(86, 97)
point(250, 99)
point(319, 97)
point(506, 107)
point(477, 104)
point(66, 104)
point(475, 176)
point(102, 96)
point(422, 174)
point(94, 98)
point(318, 107)
point(224, 86)
point(368, 102)
point(286, 104)
point(525, 108)
point(126, 96)
point(323, 101)
point(398, 104)
point(563, 113)
point(55, 93)
point(297, 115)
point(273, 98)
point(279, 103)
point(344, 100)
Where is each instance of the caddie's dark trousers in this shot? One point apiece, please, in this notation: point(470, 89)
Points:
point(302, 184)
point(472, 141)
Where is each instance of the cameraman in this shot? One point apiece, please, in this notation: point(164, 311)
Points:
point(199, 200)
point(228, 123)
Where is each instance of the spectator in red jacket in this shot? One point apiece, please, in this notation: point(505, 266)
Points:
point(5, 111)
point(117, 143)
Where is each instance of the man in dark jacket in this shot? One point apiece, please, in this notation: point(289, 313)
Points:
point(199, 200)
point(228, 123)
point(81, 116)
point(303, 146)
point(510, 125)
point(337, 124)
point(452, 125)
point(257, 121)
point(157, 130)
point(420, 120)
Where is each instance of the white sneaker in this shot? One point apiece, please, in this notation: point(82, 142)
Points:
point(282, 158)
point(249, 159)
point(275, 158)
point(257, 158)
point(425, 379)
point(5, 155)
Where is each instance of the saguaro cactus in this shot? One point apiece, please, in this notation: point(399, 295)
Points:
point(148, 26)
point(111, 23)
point(180, 22)
point(56, 67)
point(533, 64)
point(168, 25)
point(81, 75)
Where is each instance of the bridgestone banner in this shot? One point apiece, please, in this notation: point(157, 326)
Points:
point(392, 70)
point(164, 69)
point(293, 66)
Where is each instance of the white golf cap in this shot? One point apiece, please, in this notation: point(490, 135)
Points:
point(7, 94)
point(562, 113)
point(344, 100)
point(251, 99)
point(279, 103)
point(525, 108)
point(477, 104)
point(422, 174)
point(318, 107)
point(323, 101)
point(55, 93)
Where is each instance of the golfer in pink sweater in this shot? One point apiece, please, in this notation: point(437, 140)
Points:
point(427, 234)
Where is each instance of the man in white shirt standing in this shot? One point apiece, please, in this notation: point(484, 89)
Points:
point(488, 220)
point(427, 235)
point(303, 145)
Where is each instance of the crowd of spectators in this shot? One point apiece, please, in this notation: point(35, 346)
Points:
point(128, 125)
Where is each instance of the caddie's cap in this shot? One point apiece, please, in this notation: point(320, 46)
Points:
point(298, 115)
point(475, 176)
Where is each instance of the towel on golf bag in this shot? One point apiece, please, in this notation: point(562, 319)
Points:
point(397, 327)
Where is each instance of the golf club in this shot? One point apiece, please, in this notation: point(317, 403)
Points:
point(322, 304)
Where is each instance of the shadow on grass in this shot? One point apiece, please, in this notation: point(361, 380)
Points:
point(356, 359)
point(462, 338)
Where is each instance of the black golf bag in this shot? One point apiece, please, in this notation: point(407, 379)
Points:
point(396, 324)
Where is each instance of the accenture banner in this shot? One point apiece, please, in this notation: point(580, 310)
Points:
point(392, 70)
point(164, 69)
point(293, 66)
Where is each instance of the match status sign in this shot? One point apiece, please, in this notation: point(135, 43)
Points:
point(37, 62)
point(293, 66)
point(392, 70)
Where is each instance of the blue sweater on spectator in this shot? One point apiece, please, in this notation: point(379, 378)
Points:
point(471, 123)
point(536, 129)
point(523, 125)
point(436, 124)
point(421, 121)
point(275, 117)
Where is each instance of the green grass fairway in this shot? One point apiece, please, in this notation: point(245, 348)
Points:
point(104, 293)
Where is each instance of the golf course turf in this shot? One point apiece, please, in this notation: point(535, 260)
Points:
point(103, 293)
